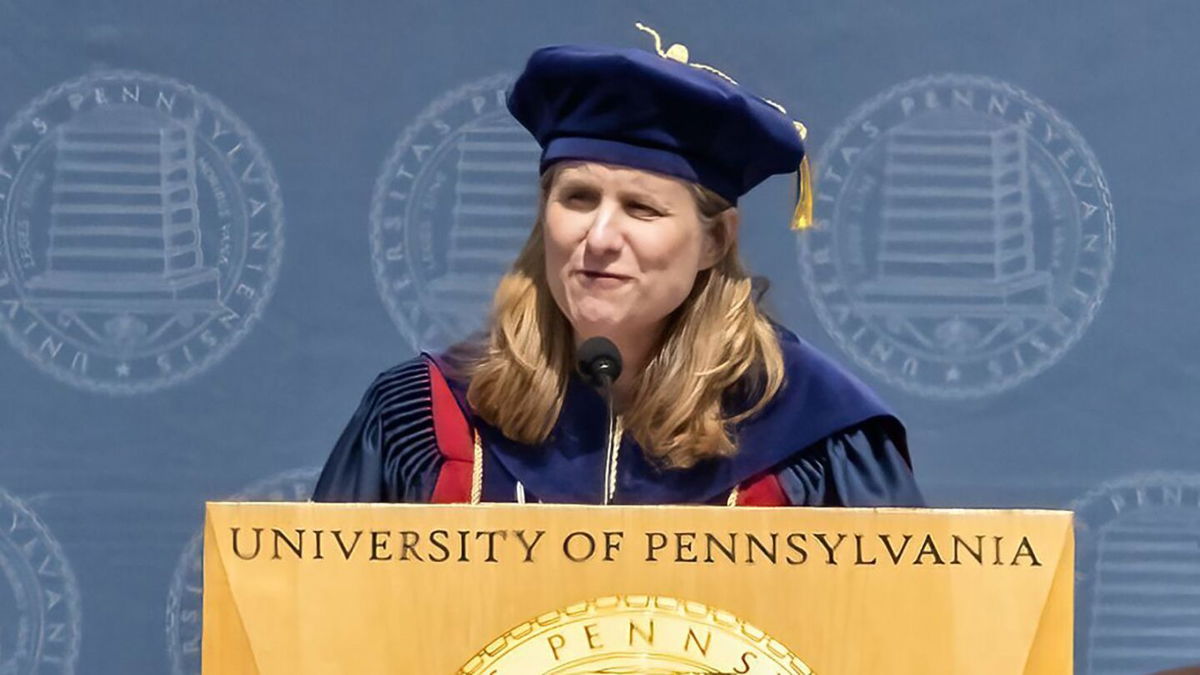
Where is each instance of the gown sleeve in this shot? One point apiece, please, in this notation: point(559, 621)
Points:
point(864, 465)
point(388, 451)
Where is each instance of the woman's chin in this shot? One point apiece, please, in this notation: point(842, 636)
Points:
point(595, 312)
point(592, 327)
point(591, 324)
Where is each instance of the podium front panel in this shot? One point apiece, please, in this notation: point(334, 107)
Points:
point(302, 589)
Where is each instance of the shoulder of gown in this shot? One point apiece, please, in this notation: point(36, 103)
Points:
point(388, 451)
point(825, 439)
point(863, 465)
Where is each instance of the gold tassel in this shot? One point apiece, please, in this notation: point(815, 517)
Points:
point(802, 219)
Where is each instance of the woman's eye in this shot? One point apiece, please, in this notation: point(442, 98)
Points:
point(644, 211)
point(577, 198)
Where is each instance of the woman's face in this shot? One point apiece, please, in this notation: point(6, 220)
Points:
point(623, 247)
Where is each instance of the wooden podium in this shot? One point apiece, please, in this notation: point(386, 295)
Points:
point(307, 589)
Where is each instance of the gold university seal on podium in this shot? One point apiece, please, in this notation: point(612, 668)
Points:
point(635, 635)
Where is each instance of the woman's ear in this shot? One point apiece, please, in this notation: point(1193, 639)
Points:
point(720, 237)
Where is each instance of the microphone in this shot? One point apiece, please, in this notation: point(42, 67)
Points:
point(599, 362)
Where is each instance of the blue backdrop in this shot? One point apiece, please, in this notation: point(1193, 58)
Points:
point(219, 220)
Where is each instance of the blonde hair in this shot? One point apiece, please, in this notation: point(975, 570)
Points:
point(717, 343)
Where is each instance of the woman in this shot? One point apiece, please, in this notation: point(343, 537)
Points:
point(635, 240)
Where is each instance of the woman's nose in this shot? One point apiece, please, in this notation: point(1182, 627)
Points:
point(604, 235)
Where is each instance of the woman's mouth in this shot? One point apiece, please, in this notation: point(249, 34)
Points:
point(598, 279)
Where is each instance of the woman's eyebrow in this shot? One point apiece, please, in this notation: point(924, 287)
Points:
point(574, 183)
point(635, 192)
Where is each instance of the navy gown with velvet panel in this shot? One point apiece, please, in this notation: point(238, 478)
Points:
point(823, 440)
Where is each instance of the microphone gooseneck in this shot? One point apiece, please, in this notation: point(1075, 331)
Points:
point(599, 363)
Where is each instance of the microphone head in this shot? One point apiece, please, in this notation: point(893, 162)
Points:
point(598, 361)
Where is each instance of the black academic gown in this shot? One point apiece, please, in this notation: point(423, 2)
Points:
point(823, 440)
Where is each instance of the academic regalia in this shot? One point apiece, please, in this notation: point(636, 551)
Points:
point(823, 439)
